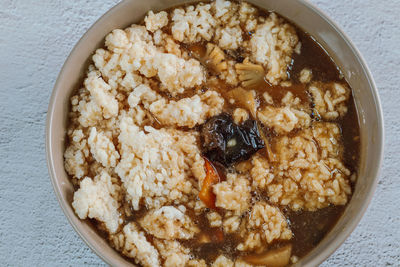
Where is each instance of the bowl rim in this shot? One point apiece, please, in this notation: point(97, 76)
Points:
point(380, 133)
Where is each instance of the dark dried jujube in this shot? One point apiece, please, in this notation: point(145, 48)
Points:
point(225, 142)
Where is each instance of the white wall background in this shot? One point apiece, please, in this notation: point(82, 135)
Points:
point(35, 39)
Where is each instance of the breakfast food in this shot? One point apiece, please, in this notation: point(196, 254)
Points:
point(212, 134)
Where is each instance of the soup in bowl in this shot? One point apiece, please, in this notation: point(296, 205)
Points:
point(214, 134)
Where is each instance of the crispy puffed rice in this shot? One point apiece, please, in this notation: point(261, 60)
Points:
point(268, 98)
point(116, 41)
point(233, 194)
point(247, 15)
point(176, 74)
point(264, 224)
point(155, 164)
point(98, 199)
point(231, 224)
point(261, 173)
point(174, 254)
point(169, 223)
point(76, 155)
point(272, 45)
point(156, 21)
point(308, 178)
point(102, 148)
point(230, 75)
point(330, 99)
point(188, 111)
point(229, 38)
point(240, 115)
point(141, 55)
point(305, 75)
point(192, 24)
point(100, 93)
point(167, 43)
point(214, 219)
point(284, 119)
point(133, 244)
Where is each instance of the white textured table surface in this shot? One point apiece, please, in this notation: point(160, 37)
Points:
point(35, 39)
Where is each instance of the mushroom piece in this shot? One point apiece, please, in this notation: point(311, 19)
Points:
point(225, 142)
point(246, 99)
point(278, 257)
point(250, 74)
point(215, 58)
point(270, 155)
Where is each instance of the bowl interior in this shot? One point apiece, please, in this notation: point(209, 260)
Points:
point(301, 13)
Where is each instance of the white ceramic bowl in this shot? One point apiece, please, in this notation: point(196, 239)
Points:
point(303, 14)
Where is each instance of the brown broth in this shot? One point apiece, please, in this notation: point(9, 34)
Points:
point(310, 227)
point(314, 57)
point(220, 243)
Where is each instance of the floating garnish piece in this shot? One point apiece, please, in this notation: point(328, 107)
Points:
point(249, 74)
point(215, 58)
